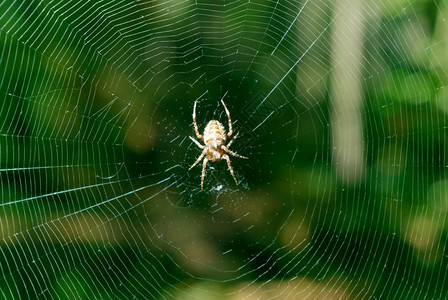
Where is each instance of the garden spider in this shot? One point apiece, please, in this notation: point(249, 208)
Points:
point(214, 138)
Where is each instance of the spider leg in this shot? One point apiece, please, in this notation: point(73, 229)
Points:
point(233, 153)
point(198, 160)
point(196, 130)
point(230, 121)
point(226, 157)
point(204, 169)
point(230, 143)
point(197, 143)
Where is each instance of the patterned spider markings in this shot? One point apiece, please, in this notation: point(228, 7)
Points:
point(215, 148)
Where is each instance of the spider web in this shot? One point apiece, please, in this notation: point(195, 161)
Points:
point(341, 109)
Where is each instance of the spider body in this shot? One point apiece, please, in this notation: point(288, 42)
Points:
point(215, 148)
point(214, 138)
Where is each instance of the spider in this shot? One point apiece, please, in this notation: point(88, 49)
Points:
point(215, 147)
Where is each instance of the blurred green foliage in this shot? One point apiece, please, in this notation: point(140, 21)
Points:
point(96, 200)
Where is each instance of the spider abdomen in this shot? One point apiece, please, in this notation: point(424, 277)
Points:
point(214, 134)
